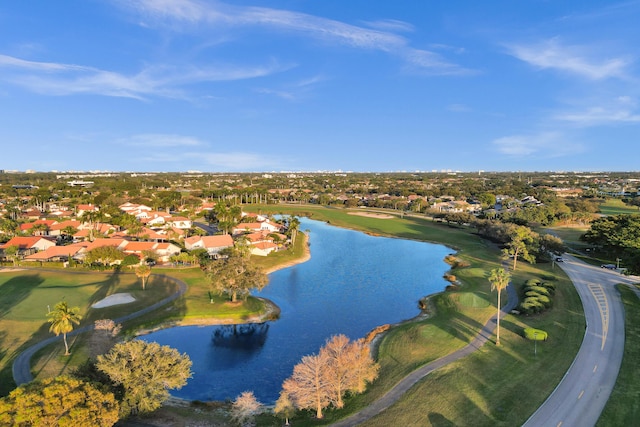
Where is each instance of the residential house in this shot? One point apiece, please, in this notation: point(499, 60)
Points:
point(163, 250)
point(56, 253)
point(29, 245)
point(179, 222)
point(213, 244)
point(39, 227)
point(252, 227)
point(263, 248)
point(82, 209)
point(57, 228)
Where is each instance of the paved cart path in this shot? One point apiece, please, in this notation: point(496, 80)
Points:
point(22, 364)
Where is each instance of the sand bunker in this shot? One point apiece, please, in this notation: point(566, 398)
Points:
point(372, 215)
point(115, 299)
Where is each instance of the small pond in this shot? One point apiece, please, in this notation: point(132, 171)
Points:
point(352, 283)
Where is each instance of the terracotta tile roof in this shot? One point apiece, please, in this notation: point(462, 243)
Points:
point(24, 242)
point(55, 251)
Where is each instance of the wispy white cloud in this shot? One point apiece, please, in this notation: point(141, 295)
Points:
point(294, 91)
point(161, 141)
point(618, 111)
point(193, 15)
point(544, 144)
point(391, 25)
point(163, 81)
point(578, 60)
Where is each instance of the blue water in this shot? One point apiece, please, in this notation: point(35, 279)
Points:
point(352, 283)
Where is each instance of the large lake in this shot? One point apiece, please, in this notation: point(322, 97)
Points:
point(352, 283)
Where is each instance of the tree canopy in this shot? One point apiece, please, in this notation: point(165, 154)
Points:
point(235, 276)
point(60, 401)
point(146, 371)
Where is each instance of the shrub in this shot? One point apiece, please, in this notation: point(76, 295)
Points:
point(533, 282)
point(535, 334)
point(539, 289)
point(550, 286)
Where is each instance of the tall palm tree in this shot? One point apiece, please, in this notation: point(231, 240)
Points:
point(143, 271)
point(62, 319)
point(499, 279)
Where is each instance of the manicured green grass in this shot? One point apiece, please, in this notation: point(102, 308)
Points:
point(616, 207)
point(26, 295)
point(497, 385)
point(623, 406)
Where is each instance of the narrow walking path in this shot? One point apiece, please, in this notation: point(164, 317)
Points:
point(21, 368)
point(410, 380)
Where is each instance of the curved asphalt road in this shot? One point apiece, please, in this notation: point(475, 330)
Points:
point(22, 364)
point(584, 390)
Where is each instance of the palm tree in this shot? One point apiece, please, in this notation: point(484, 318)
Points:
point(143, 271)
point(293, 227)
point(62, 319)
point(499, 279)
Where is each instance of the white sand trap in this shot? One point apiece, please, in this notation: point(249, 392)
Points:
point(371, 215)
point(115, 299)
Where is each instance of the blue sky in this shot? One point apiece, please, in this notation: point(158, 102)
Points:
point(301, 85)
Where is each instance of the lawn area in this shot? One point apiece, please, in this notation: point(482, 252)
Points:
point(617, 207)
point(26, 295)
point(623, 407)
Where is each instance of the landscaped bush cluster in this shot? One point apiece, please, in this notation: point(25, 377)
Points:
point(535, 334)
point(536, 296)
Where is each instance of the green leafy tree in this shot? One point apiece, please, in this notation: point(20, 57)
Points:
point(106, 255)
point(284, 407)
point(11, 252)
point(235, 276)
point(146, 371)
point(60, 401)
point(499, 280)
point(62, 319)
point(518, 245)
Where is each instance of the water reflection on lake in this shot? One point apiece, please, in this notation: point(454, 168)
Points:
point(353, 283)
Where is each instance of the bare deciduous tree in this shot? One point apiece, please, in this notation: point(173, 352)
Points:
point(363, 369)
point(307, 387)
point(321, 380)
point(338, 375)
point(244, 408)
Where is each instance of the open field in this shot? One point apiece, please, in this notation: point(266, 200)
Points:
point(616, 207)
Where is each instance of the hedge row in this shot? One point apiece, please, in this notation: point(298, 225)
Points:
point(537, 296)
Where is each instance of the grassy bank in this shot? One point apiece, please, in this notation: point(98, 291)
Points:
point(496, 385)
point(623, 406)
